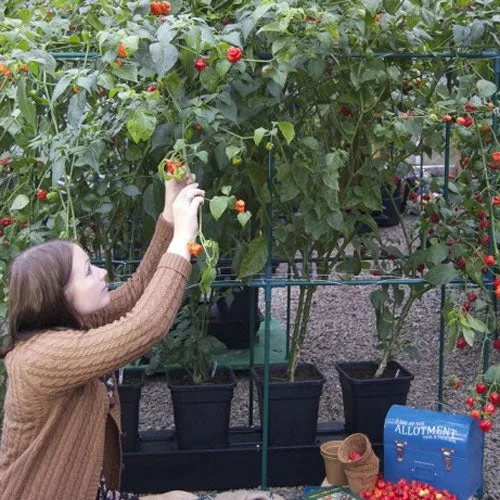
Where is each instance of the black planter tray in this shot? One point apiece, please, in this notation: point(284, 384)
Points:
point(158, 465)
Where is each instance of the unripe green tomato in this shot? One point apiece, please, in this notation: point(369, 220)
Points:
point(236, 160)
point(266, 69)
point(359, 13)
point(179, 174)
point(63, 235)
point(52, 196)
point(188, 134)
point(269, 146)
point(433, 117)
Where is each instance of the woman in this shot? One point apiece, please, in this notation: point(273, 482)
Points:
point(66, 334)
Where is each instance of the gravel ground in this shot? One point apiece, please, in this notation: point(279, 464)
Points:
point(342, 327)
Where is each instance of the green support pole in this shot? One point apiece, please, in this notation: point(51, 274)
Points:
point(267, 324)
point(496, 76)
point(288, 308)
point(251, 357)
point(443, 288)
point(75, 55)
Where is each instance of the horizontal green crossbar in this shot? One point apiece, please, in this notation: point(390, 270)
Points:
point(281, 283)
point(486, 54)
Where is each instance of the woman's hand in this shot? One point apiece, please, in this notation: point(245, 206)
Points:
point(185, 218)
point(172, 189)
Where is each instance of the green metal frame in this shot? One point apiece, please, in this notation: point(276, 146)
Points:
point(268, 282)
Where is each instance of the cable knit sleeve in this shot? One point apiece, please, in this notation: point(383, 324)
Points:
point(60, 360)
point(124, 298)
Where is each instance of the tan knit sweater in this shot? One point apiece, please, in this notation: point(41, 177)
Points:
point(58, 433)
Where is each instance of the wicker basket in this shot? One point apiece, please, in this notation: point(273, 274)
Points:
point(362, 473)
point(363, 477)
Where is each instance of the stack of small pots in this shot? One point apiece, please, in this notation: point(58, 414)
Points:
point(362, 471)
point(334, 469)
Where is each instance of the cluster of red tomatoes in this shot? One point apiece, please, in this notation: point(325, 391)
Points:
point(406, 490)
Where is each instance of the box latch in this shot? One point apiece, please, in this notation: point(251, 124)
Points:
point(447, 457)
point(400, 448)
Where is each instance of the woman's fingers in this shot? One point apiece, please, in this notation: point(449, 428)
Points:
point(189, 192)
point(196, 202)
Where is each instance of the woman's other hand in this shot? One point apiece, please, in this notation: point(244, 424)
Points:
point(172, 189)
point(185, 218)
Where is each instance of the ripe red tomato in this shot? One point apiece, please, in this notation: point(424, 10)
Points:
point(480, 388)
point(485, 425)
point(489, 260)
point(489, 409)
point(200, 64)
point(234, 54)
point(494, 397)
point(41, 194)
point(195, 248)
point(239, 206)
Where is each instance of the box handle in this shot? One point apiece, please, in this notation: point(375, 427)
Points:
point(400, 448)
point(447, 457)
point(423, 471)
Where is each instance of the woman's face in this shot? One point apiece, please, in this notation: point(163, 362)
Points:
point(87, 289)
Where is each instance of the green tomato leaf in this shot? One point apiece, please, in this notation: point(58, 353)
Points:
point(27, 107)
point(441, 274)
point(244, 217)
point(131, 190)
point(141, 126)
point(486, 88)
point(218, 205)
point(19, 202)
point(207, 278)
point(288, 131)
point(468, 335)
point(259, 134)
point(77, 109)
point(476, 324)
point(203, 156)
point(255, 258)
point(105, 80)
point(222, 67)
point(232, 151)
point(60, 87)
point(209, 79)
point(437, 253)
point(164, 57)
point(226, 190)
point(492, 375)
point(371, 5)
point(126, 72)
point(131, 43)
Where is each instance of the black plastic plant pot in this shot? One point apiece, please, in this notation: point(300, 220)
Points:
point(390, 215)
point(130, 396)
point(367, 400)
point(202, 411)
point(293, 406)
point(231, 323)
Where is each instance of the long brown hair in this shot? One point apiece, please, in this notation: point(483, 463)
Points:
point(37, 301)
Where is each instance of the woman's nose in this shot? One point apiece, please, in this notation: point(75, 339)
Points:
point(104, 273)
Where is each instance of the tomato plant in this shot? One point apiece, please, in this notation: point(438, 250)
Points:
point(297, 85)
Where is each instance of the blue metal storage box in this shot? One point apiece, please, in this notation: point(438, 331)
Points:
point(437, 448)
